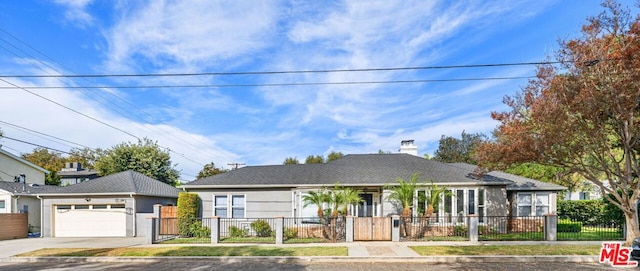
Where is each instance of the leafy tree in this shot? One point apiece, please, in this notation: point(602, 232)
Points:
point(454, 150)
point(584, 115)
point(314, 159)
point(210, 170)
point(145, 157)
point(334, 156)
point(547, 173)
point(49, 160)
point(86, 156)
point(291, 161)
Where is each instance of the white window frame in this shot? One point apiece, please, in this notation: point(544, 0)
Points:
point(4, 204)
point(534, 204)
point(465, 204)
point(229, 205)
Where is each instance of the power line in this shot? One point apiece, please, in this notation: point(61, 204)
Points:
point(69, 108)
point(176, 139)
point(34, 144)
point(40, 133)
point(286, 72)
point(293, 84)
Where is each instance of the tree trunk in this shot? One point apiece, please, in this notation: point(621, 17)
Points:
point(631, 219)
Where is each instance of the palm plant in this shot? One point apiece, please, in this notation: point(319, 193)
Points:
point(317, 198)
point(433, 198)
point(404, 193)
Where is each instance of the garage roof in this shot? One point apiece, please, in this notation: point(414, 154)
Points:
point(126, 182)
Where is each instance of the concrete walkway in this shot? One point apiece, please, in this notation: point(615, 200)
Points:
point(358, 251)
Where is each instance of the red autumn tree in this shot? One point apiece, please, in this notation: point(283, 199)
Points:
point(583, 114)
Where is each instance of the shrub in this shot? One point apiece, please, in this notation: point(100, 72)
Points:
point(459, 230)
point(261, 228)
point(290, 233)
point(237, 232)
point(565, 225)
point(199, 231)
point(188, 208)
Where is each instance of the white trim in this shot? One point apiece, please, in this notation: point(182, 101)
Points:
point(229, 204)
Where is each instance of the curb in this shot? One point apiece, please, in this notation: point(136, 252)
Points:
point(287, 259)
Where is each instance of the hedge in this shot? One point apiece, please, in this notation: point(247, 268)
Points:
point(188, 208)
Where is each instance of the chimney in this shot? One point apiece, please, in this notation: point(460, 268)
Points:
point(407, 147)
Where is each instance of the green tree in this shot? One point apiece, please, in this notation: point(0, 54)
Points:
point(210, 170)
point(584, 114)
point(86, 156)
point(334, 156)
point(145, 157)
point(454, 150)
point(49, 160)
point(291, 161)
point(314, 159)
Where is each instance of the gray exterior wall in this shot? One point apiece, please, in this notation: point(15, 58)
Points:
point(34, 212)
point(143, 207)
point(260, 203)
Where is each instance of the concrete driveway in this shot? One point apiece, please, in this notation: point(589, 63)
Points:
point(17, 246)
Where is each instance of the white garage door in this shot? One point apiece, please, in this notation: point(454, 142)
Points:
point(91, 220)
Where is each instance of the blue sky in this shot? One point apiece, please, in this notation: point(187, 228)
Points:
point(259, 124)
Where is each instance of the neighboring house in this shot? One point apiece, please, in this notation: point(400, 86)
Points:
point(588, 191)
point(12, 167)
point(73, 173)
point(278, 190)
point(19, 181)
point(114, 205)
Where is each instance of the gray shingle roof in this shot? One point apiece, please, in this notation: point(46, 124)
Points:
point(517, 182)
point(126, 182)
point(28, 189)
point(353, 169)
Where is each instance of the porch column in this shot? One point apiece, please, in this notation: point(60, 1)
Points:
point(395, 228)
point(472, 229)
point(349, 229)
point(279, 230)
point(215, 230)
point(550, 227)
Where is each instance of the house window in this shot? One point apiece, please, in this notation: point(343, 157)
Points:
point(2, 204)
point(584, 195)
point(458, 203)
point(533, 204)
point(481, 205)
point(229, 206)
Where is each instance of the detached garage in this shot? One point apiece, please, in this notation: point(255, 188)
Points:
point(117, 205)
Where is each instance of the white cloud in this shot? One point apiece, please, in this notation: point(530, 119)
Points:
point(76, 12)
point(183, 35)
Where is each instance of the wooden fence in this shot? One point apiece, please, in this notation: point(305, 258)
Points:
point(169, 220)
point(14, 226)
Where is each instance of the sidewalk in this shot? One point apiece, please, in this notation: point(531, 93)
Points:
point(357, 251)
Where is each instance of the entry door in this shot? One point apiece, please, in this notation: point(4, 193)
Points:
point(365, 208)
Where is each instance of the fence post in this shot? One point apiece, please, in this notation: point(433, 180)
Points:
point(215, 230)
point(395, 228)
point(550, 227)
point(279, 230)
point(155, 224)
point(151, 237)
point(472, 228)
point(349, 229)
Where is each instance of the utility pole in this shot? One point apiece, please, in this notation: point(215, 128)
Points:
point(235, 165)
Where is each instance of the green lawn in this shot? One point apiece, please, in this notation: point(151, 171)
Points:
point(188, 251)
point(240, 240)
point(508, 250)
